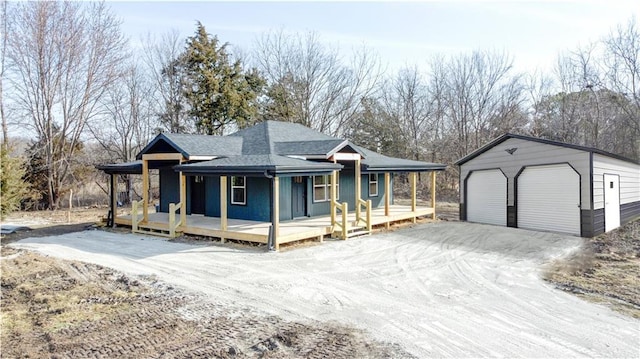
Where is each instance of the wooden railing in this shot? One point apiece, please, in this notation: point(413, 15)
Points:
point(135, 220)
point(343, 224)
point(173, 207)
point(367, 217)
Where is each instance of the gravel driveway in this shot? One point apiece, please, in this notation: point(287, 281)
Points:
point(439, 290)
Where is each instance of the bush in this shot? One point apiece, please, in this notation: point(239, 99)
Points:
point(12, 187)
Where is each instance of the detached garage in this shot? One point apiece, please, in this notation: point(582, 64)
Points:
point(532, 183)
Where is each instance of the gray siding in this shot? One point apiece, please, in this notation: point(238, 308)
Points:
point(529, 153)
point(629, 179)
point(629, 212)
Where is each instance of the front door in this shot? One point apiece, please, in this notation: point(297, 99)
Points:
point(298, 198)
point(197, 195)
point(611, 202)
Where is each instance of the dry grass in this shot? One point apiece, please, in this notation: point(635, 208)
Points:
point(607, 270)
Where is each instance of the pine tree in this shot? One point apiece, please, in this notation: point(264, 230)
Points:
point(219, 92)
point(12, 187)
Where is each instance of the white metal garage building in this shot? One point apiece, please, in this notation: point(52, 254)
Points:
point(532, 183)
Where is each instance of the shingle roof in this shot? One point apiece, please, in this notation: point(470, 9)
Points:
point(194, 145)
point(134, 167)
point(257, 164)
point(376, 162)
point(265, 146)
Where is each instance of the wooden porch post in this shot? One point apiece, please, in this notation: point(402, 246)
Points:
point(433, 194)
point(114, 199)
point(389, 191)
point(413, 194)
point(223, 205)
point(358, 188)
point(333, 197)
point(276, 212)
point(145, 189)
point(183, 199)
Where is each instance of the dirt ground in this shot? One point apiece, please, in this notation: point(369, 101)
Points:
point(59, 308)
point(606, 270)
point(447, 289)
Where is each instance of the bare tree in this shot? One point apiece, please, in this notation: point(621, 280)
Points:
point(4, 18)
point(65, 57)
point(162, 57)
point(309, 83)
point(480, 97)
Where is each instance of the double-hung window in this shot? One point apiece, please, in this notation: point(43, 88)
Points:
point(373, 184)
point(238, 190)
point(322, 188)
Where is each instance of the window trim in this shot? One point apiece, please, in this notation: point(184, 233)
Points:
point(326, 185)
point(243, 188)
point(377, 182)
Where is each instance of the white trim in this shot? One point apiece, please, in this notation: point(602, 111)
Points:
point(202, 158)
point(346, 156)
point(377, 182)
point(243, 187)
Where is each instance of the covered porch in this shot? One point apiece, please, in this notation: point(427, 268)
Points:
point(259, 232)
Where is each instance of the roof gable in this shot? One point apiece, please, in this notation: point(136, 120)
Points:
point(191, 146)
point(507, 136)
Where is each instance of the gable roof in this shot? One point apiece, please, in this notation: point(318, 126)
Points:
point(507, 136)
point(274, 147)
point(193, 145)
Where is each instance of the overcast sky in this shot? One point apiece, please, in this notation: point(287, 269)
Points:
point(401, 33)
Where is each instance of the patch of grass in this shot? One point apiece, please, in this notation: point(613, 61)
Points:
point(607, 270)
point(40, 297)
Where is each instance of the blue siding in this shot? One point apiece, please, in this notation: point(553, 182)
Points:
point(212, 195)
point(285, 199)
point(169, 188)
point(376, 201)
point(258, 207)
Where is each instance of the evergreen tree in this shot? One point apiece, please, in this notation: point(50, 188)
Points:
point(12, 186)
point(218, 90)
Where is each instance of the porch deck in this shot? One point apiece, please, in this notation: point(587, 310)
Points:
point(255, 231)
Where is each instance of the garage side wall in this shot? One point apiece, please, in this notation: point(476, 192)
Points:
point(513, 154)
point(629, 174)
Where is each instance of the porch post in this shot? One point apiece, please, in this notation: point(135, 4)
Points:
point(114, 199)
point(223, 205)
point(183, 199)
point(333, 197)
point(433, 194)
point(387, 196)
point(358, 189)
point(145, 189)
point(413, 195)
point(276, 212)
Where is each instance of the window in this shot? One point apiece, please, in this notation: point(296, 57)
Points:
point(373, 184)
point(238, 190)
point(322, 188)
point(319, 188)
point(198, 179)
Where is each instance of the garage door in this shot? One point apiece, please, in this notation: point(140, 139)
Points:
point(487, 197)
point(549, 199)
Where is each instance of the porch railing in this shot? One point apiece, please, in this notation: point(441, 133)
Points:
point(173, 225)
point(343, 208)
point(367, 210)
point(135, 216)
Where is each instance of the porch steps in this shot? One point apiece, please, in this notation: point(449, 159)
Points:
point(352, 231)
point(154, 230)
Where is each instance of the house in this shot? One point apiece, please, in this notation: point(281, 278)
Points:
point(274, 182)
point(533, 183)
